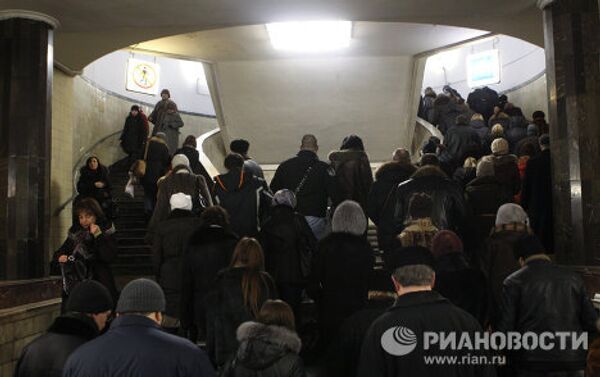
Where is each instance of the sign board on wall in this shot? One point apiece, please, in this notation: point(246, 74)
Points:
point(142, 76)
point(483, 68)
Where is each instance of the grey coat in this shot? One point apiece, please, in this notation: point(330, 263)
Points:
point(170, 125)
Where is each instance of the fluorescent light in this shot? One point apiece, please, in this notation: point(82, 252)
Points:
point(310, 36)
point(483, 68)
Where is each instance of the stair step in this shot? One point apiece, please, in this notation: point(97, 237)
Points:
point(130, 223)
point(135, 249)
point(130, 241)
point(131, 233)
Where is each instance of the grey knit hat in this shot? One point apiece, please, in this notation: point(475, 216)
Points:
point(141, 296)
point(349, 218)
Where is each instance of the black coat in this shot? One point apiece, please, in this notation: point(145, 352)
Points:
point(157, 162)
point(286, 240)
point(516, 133)
point(137, 346)
point(460, 142)
point(194, 157)
point(383, 191)
point(96, 253)
point(444, 114)
point(506, 170)
point(418, 312)
point(461, 284)
point(481, 128)
point(528, 142)
point(170, 241)
point(318, 187)
point(463, 175)
point(543, 296)
point(209, 251)
point(245, 197)
point(46, 356)
point(353, 176)
point(225, 311)
point(134, 135)
point(482, 101)
point(340, 278)
point(449, 207)
point(86, 184)
point(537, 197)
point(266, 351)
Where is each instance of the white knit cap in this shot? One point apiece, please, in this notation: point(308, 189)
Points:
point(181, 201)
point(180, 159)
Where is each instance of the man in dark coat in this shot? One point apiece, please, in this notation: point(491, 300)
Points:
point(543, 297)
point(529, 143)
point(460, 142)
point(209, 251)
point(241, 147)
point(170, 241)
point(445, 111)
point(449, 208)
point(135, 345)
point(88, 308)
point(160, 109)
point(134, 135)
point(387, 179)
point(157, 164)
point(537, 194)
point(189, 149)
point(245, 196)
point(417, 310)
point(311, 180)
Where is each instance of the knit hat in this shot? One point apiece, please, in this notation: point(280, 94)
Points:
point(497, 130)
point(485, 168)
point(527, 246)
point(141, 296)
point(446, 242)
point(181, 201)
point(500, 147)
point(511, 213)
point(410, 256)
point(285, 197)
point(89, 296)
point(349, 218)
point(180, 159)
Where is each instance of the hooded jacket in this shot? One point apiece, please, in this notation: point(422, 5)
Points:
point(460, 142)
point(387, 178)
point(266, 351)
point(157, 161)
point(134, 135)
point(86, 184)
point(245, 197)
point(353, 176)
point(194, 158)
point(46, 356)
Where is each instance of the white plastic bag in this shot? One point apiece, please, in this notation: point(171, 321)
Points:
point(129, 187)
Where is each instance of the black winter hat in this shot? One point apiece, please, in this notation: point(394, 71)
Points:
point(410, 256)
point(90, 297)
point(527, 246)
point(240, 146)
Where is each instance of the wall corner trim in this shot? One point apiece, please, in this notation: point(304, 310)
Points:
point(66, 70)
point(30, 15)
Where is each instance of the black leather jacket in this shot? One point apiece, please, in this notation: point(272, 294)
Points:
point(449, 208)
point(544, 297)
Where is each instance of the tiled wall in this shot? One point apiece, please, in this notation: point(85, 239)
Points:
point(19, 326)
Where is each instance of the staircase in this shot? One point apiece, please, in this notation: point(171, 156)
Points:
point(134, 257)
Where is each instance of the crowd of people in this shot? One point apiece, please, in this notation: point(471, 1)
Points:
point(280, 279)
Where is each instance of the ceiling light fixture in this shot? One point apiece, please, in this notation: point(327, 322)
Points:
point(310, 36)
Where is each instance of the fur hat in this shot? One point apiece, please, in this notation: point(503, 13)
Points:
point(349, 218)
point(500, 147)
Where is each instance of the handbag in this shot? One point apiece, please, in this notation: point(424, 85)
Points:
point(139, 167)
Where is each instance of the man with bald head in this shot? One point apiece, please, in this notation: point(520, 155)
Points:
point(311, 180)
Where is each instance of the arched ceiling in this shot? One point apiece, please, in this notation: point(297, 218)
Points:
point(92, 28)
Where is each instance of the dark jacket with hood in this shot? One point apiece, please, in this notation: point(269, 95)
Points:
point(544, 297)
point(46, 356)
point(95, 253)
point(445, 111)
point(418, 312)
point(481, 128)
point(194, 158)
point(317, 188)
point(353, 176)
point(134, 135)
point(340, 278)
point(506, 170)
point(86, 184)
point(528, 142)
point(245, 197)
point(287, 241)
point(460, 142)
point(157, 161)
point(180, 179)
point(226, 311)
point(516, 133)
point(266, 351)
point(168, 248)
point(537, 197)
point(137, 346)
point(449, 208)
point(209, 251)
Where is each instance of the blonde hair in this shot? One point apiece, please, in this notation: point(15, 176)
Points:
point(477, 116)
point(470, 162)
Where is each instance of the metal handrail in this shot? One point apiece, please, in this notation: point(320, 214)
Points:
point(76, 167)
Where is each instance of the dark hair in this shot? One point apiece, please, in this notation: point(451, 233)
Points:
point(87, 162)
point(527, 150)
point(462, 119)
point(215, 215)
point(234, 161)
point(240, 146)
point(249, 254)
point(430, 145)
point(538, 114)
point(277, 313)
point(527, 246)
point(89, 206)
point(429, 159)
point(420, 206)
point(191, 141)
point(135, 108)
point(353, 142)
point(165, 91)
